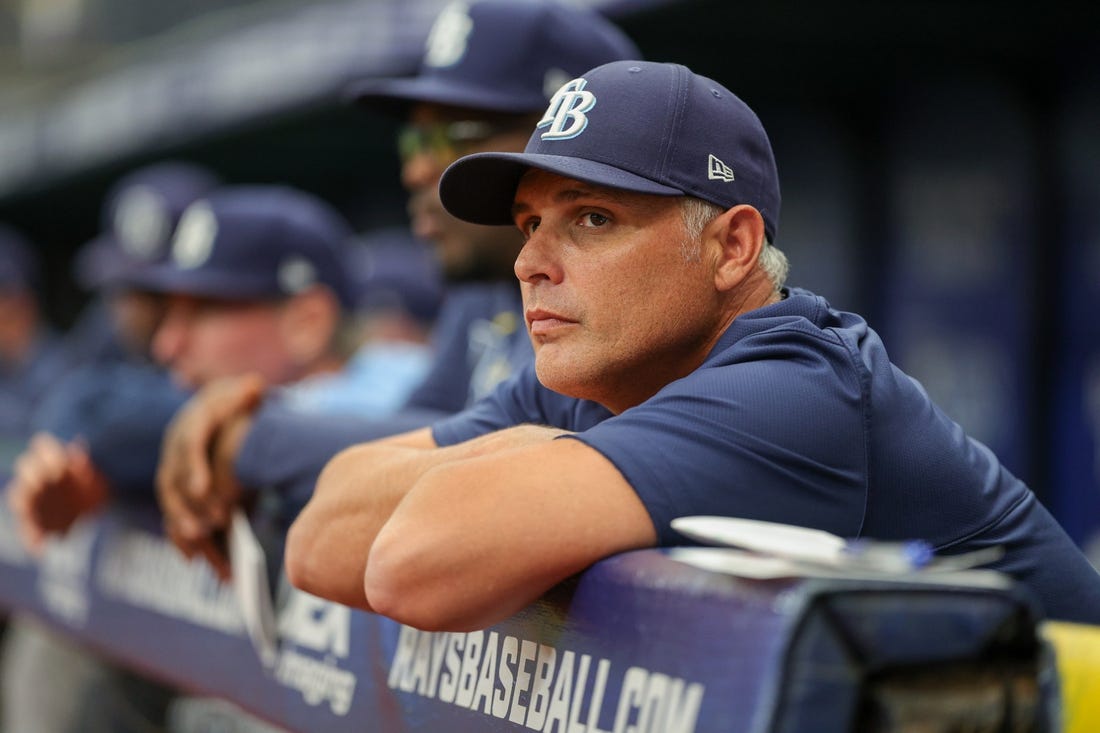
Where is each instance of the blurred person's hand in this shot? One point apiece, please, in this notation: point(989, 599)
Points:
point(197, 488)
point(53, 485)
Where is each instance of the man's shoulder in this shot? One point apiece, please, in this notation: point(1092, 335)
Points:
point(800, 329)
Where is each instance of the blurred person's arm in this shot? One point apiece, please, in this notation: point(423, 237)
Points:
point(53, 485)
point(230, 440)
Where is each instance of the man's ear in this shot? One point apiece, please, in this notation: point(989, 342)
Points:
point(310, 320)
point(739, 233)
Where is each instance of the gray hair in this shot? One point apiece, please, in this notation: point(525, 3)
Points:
point(697, 213)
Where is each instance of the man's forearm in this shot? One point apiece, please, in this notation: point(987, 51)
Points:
point(329, 544)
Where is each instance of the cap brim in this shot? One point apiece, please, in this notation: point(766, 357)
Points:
point(394, 96)
point(481, 188)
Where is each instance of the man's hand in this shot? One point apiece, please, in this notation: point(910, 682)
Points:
point(53, 485)
point(196, 485)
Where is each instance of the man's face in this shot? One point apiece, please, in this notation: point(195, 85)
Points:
point(435, 137)
point(200, 339)
point(614, 308)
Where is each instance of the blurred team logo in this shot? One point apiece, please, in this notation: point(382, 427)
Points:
point(566, 116)
point(447, 40)
point(296, 274)
point(554, 80)
point(489, 350)
point(142, 222)
point(316, 641)
point(195, 235)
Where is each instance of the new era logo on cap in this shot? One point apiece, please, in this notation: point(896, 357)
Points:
point(638, 126)
point(717, 170)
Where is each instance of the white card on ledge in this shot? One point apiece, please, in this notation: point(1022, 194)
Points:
point(250, 584)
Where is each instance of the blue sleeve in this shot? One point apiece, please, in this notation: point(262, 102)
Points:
point(285, 449)
point(778, 439)
point(1040, 554)
point(120, 411)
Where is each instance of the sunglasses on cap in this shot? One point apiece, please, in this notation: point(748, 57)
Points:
point(445, 142)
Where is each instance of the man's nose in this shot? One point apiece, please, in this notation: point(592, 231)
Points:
point(537, 260)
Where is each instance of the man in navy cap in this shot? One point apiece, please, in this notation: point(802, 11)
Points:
point(254, 280)
point(116, 401)
point(674, 375)
point(488, 70)
point(138, 216)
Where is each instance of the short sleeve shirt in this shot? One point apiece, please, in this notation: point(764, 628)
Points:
point(798, 416)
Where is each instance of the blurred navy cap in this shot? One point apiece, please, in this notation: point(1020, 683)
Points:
point(18, 264)
point(138, 217)
point(391, 269)
point(502, 56)
point(255, 243)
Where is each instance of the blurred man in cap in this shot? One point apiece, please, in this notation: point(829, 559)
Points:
point(487, 72)
point(139, 215)
point(116, 396)
point(102, 424)
point(254, 283)
point(253, 280)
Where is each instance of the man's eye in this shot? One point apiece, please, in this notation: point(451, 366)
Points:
point(529, 226)
point(592, 219)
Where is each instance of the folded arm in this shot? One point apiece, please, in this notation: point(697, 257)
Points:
point(464, 536)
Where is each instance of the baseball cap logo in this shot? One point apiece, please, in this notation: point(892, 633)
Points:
point(718, 171)
point(195, 235)
point(296, 274)
point(447, 40)
point(141, 222)
point(566, 116)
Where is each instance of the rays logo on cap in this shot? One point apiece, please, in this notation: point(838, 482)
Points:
point(447, 40)
point(141, 222)
point(195, 235)
point(566, 116)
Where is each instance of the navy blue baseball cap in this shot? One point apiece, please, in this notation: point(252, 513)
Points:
point(502, 56)
point(18, 265)
point(255, 243)
point(633, 125)
point(138, 217)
